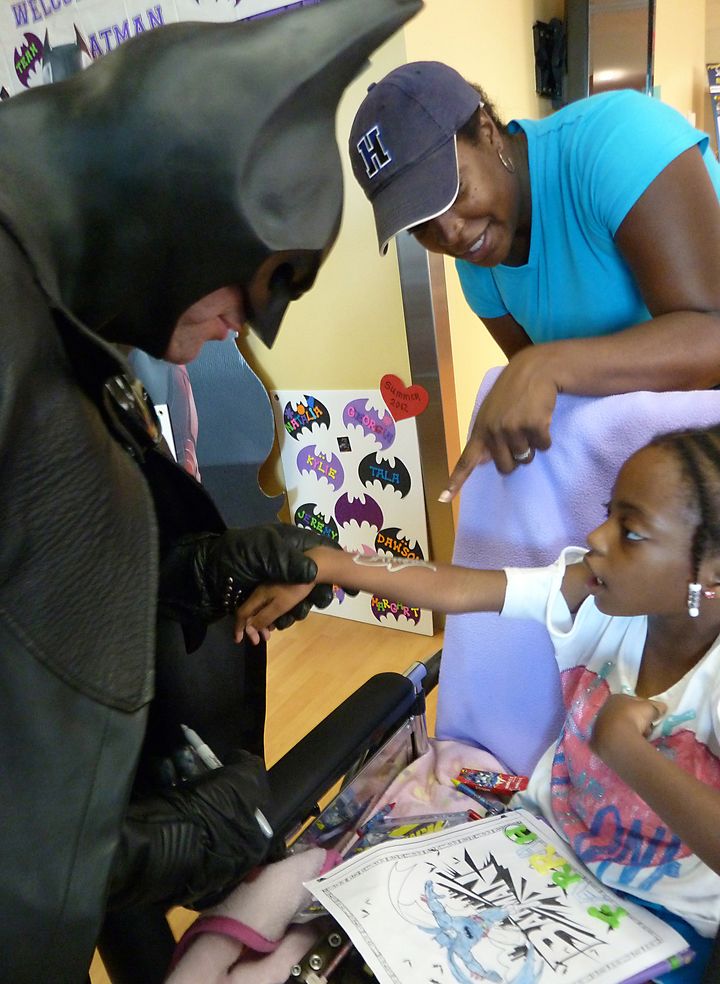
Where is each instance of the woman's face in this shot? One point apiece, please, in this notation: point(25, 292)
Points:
point(481, 224)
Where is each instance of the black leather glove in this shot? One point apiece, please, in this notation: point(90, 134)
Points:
point(192, 845)
point(205, 576)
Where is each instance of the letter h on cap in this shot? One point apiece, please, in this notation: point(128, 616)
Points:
point(373, 152)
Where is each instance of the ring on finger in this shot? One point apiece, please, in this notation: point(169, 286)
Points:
point(521, 456)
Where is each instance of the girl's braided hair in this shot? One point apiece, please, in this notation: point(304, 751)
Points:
point(698, 453)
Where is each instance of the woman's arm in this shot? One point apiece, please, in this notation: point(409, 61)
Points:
point(689, 807)
point(441, 587)
point(670, 239)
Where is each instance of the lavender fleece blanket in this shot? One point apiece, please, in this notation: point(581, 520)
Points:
point(499, 685)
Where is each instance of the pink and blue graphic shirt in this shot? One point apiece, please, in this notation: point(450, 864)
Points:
point(610, 828)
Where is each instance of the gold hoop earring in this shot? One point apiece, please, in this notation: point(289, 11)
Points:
point(506, 161)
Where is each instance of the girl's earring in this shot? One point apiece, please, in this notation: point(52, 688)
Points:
point(506, 161)
point(693, 599)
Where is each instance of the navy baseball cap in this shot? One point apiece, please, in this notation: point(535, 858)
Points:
point(403, 144)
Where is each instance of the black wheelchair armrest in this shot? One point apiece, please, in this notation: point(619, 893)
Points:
point(326, 753)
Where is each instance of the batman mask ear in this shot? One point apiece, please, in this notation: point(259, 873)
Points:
point(207, 157)
point(281, 278)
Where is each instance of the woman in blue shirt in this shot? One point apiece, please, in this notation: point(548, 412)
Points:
point(588, 242)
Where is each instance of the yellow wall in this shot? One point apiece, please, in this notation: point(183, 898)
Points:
point(349, 329)
point(680, 55)
point(490, 43)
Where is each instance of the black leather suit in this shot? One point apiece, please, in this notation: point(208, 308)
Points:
point(126, 194)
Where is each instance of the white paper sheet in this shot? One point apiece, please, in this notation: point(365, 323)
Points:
point(501, 899)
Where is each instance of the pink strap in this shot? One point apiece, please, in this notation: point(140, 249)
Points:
point(332, 860)
point(223, 926)
point(236, 930)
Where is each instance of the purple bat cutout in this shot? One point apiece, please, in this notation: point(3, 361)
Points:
point(363, 509)
point(377, 423)
point(29, 55)
point(323, 466)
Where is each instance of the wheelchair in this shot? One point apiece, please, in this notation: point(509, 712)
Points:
point(363, 744)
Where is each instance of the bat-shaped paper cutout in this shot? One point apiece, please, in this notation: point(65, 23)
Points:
point(391, 541)
point(389, 472)
point(325, 467)
point(301, 417)
point(310, 517)
point(373, 422)
point(384, 608)
point(28, 58)
point(360, 509)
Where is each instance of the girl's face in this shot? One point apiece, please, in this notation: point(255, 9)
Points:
point(481, 223)
point(639, 559)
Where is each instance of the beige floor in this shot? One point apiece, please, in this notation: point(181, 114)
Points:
point(312, 668)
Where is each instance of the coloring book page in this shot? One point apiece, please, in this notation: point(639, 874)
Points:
point(352, 473)
point(499, 900)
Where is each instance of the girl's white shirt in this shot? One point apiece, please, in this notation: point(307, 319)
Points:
point(609, 827)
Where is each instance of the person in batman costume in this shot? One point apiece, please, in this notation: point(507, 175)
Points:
point(192, 159)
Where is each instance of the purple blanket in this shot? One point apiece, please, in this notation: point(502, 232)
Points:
point(499, 685)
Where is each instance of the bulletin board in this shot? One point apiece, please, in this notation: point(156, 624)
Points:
point(352, 474)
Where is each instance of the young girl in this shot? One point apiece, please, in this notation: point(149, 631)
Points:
point(633, 781)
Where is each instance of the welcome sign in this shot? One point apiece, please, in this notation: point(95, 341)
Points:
point(47, 40)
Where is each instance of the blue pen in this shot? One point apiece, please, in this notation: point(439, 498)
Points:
point(375, 819)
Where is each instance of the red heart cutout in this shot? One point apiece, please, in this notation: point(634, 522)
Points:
point(402, 401)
